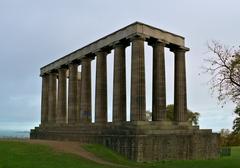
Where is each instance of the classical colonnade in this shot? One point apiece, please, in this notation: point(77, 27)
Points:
point(66, 109)
point(56, 110)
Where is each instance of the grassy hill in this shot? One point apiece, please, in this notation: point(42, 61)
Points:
point(14, 154)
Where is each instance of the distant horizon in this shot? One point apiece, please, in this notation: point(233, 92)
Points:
point(18, 126)
point(14, 134)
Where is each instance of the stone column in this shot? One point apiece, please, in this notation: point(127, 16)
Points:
point(158, 85)
point(79, 96)
point(72, 93)
point(44, 102)
point(52, 100)
point(62, 93)
point(180, 94)
point(138, 100)
point(119, 84)
point(101, 88)
point(86, 102)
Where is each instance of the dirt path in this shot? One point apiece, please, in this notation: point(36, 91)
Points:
point(73, 148)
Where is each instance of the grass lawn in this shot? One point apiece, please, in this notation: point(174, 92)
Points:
point(25, 155)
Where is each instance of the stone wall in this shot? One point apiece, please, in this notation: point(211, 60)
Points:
point(142, 143)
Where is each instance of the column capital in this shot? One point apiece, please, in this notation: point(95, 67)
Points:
point(102, 53)
point(87, 59)
point(156, 42)
point(62, 70)
point(90, 56)
point(65, 66)
point(121, 43)
point(54, 71)
point(74, 62)
point(179, 49)
point(72, 66)
point(137, 37)
point(44, 74)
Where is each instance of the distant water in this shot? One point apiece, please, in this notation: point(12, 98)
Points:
point(14, 134)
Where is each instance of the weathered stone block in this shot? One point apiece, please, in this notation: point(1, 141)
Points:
point(140, 142)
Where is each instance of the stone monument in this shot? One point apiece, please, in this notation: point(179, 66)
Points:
point(137, 139)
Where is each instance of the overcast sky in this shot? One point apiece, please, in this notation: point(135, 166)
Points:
point(34, 33)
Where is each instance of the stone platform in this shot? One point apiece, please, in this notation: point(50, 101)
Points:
point(140, 141)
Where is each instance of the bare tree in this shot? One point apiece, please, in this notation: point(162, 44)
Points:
point(224, 67)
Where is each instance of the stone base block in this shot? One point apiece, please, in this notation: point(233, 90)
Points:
point(142, 142)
